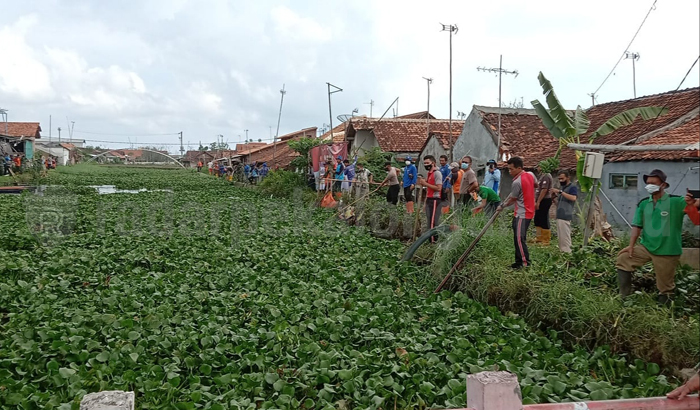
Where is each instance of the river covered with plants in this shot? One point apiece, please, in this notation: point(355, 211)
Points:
point(215, 297)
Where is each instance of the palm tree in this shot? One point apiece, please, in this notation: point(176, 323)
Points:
point(568, 127)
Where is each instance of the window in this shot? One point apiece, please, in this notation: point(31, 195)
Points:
point(623, 181)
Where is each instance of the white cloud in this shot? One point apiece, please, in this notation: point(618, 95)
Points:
point(291, 26)
point(22, 75)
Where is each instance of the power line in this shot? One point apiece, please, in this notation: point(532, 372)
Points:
point(653, 7)
point(667, 100)
point(127, 135)
point(162, 143)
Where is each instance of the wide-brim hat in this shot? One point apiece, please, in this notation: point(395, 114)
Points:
point(656, 173)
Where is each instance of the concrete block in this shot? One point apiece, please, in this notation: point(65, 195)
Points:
point(494, 391)
point(108, 400)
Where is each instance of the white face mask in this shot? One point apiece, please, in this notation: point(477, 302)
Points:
point(465, 165)
point(652, 189)
point(408, 162)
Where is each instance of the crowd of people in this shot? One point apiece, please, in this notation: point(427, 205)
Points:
point(252, 173)
point(19, 163)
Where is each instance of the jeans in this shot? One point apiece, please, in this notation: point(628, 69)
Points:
point(522, 255)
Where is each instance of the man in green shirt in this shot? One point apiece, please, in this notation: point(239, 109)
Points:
point(659, 222)
point(489, 199)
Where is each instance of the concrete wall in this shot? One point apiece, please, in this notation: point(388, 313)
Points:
point(475, 141)
point(364, 140)
point(681, 175)
point(434, 148)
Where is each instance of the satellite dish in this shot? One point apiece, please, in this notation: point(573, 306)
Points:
point(344, 117)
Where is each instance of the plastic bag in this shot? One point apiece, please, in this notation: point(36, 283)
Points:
point(328, 201)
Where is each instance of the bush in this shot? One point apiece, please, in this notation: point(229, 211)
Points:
point(282, 183)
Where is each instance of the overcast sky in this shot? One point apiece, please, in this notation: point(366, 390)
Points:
point(126, 69)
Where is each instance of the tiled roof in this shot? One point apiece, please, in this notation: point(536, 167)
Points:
point(338, 133)
point(422, 115)
point(21, 129)
point(194, 156)
point(687, 133)
point(306, 132)
point(282, 156)
point(678, 103)
point(402, 134)
point(524, 135)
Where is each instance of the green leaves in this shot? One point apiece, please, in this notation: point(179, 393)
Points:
point(626, 118)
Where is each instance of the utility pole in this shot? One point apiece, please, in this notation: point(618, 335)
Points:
point(59, 135)
point(634, 57)
point(330, 114)
point(246, 134)
point(427, 117)
point(500, 72)
point(371, 105)
point(50, 129)
point(3, 112)
point(452, 28)
point(72, 127)
point(182, 149)
point(279, 118)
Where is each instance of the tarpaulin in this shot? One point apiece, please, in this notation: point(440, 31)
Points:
point(328, 153)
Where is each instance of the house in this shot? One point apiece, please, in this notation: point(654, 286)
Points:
point(278, 154)
point(191, 158)
point(54, 149)
point(437, 145)
point(622, 180)
point(19, 137)
point(524, 135)
point(402, 136)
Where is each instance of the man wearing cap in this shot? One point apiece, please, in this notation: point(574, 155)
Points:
point(410, 177)
point(659, 222)
point(492, 178)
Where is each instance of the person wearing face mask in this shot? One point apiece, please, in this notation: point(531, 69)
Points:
point(433, 196)
point(410, 175)
point(659, 222)
point(469, 181)
point(566, 199)
point(492, 177)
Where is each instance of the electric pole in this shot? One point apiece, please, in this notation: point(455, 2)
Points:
point(59, 135)
point(246, 134)
point(452, 28)
point(330, 114)
point(182, 149)
point(279, 118)
point(427, 117)
point(371, 105)
point(634, 57)
point(500, 72)
point(3, 112)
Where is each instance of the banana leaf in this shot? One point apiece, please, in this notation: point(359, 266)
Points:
point(581, 122)
point(626, 118)
point(547, 120)
point(556, 109)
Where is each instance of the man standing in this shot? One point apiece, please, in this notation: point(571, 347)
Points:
point(392, 179)
point(659, 222)
point(565, 210)
point(456, 180)
point(339, 174)
point(543, 201)
point(523, 195)
point(469, 181)
point(363, 177)
point(211, 167)
point(199, 166)
point(410, 175)
point(349, 175)
point(434, 185)
point(446, 173)
point(492, 178)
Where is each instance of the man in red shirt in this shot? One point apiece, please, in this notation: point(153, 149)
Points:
point(522, 194)
point(432, 200)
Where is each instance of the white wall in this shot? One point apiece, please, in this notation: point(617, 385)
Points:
point(475, 141)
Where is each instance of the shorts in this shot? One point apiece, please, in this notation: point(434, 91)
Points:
point(408, 194)
point(392, 195)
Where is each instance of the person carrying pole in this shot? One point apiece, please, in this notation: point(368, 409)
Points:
point(543, 201)
point(410, 176)
point(469, 180)
point(434, 193)
point(339, 174)
point(446, 173)
point(566, 199)
point(659, 222)
point(522, 194)
point(363, 177)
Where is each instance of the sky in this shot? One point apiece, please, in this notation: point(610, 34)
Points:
point(140, 71)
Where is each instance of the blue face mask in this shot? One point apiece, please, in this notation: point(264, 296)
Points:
point(465, 165)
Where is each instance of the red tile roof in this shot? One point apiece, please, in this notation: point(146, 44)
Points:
point(402, 134)
point(194, 156)
point(306, 132)
point(21, 129)
point(687, 133)
point(281, 157)
point(338, 133)
point(524, 135)
point(422, 115)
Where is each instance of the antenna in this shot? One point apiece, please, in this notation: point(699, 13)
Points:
point(371, 105)
point(500, 71)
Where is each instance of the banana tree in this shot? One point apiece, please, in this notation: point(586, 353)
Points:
point(568, 127)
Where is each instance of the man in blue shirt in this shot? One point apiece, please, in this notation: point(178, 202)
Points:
point(410, 177)
point(339, 174)
point(492, 177)
point(446, 173)
point(264, 170)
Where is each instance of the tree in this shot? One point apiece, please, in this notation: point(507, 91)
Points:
point(203, 148)
point(303, 146)
point(214, 146)
point(569, 127)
